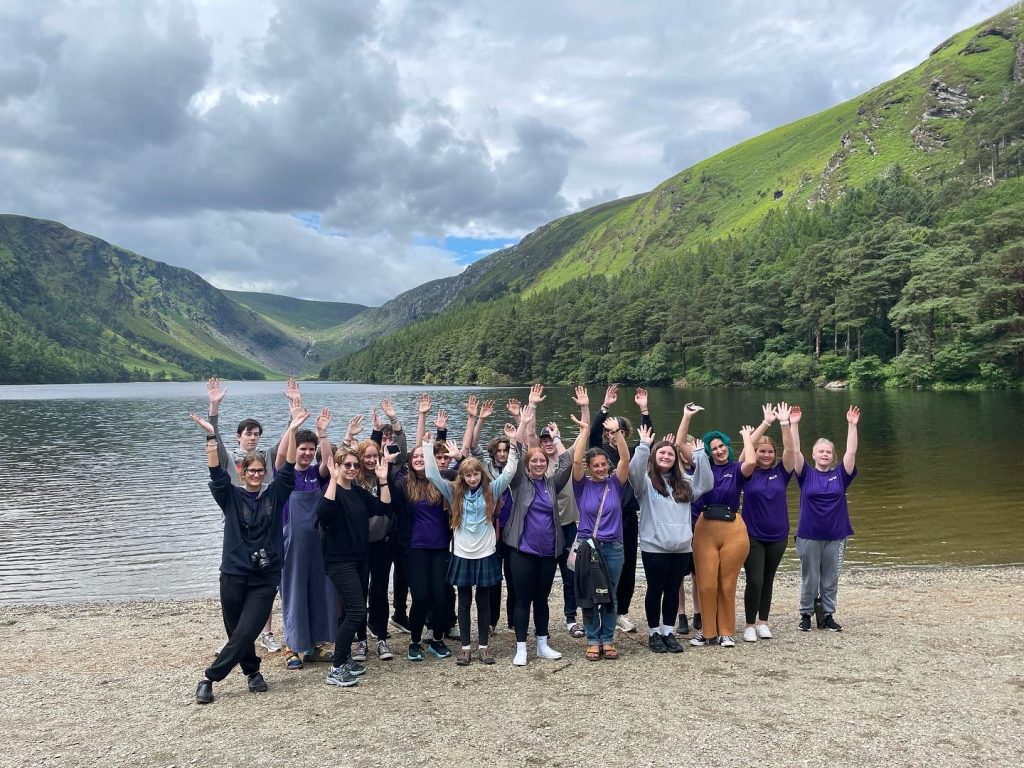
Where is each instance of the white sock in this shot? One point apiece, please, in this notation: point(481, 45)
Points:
point(467, 648)
point(520, 658)
point(665, 630)
point(652, 631)
point(544, 650)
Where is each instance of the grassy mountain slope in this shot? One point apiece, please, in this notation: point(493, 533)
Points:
point(76, 308)
point(923, 120)
point(297, 316)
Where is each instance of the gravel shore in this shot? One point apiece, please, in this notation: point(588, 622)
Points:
point(928, 672)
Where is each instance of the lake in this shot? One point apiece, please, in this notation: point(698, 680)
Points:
point(103, 491)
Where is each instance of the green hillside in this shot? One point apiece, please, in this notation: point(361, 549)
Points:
point(818, 249)
point(297, 316)
point(75, 308)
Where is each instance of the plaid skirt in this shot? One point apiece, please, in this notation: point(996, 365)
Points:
point(484, 572)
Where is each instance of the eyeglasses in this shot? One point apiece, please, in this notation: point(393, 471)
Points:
point(350, 465)
point(255, 472)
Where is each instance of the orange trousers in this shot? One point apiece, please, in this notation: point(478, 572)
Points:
point(719, 550)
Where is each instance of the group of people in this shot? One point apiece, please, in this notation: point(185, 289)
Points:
point(333, 525)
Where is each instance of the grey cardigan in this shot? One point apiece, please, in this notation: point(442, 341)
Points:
point(523, 493)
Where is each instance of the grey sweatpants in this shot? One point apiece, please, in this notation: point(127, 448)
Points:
point(820, 562)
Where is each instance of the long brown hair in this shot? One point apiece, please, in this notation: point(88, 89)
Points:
point(417, 487)
point(461, 488)
point(681, 490)
point(368, 481)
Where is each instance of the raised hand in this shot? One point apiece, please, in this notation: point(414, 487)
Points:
point(510, 431)
point(853, 415)
point(291, 391)
point(214, 391)
point(795, 414)
point(646, 434)
point(295, 407)
point(584, 426)
point(782, 411)
point(536, 394)
point(298, 417)
point(514, 407)
point(355, 425)
point(453, 450)
point(552, 428)
point(527, 414)
point(692, 408)
point(389, 409)
point(698, 444)
point(381, 471)
point(323, 421)
point(472, 406)
point(581, 397)
point(669, 438)
point(611, 425)
point(769, 413)
point(332, 467)
point(203, 423)
point(640, 398)
point(611, 395)
point(746, 430)
point(487, 409)
point(441, 421)
point(425, 403)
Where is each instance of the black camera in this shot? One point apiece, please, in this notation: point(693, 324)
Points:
point(260, 559)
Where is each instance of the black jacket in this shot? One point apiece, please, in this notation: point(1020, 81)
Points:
point(591, 579)
point(345, 523)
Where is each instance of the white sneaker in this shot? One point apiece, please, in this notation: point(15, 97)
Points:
point(763, 632)
point(726, 641)
point(267, 641)
point(519, 659)
point(545, 651)
point(625, 624)
point(750, 635)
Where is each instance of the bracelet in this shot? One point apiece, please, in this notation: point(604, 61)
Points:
point(321, 436)
point(382, 485)
point(784, 423)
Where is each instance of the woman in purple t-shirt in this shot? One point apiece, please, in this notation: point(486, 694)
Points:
point(766, 516)
point(824, 518)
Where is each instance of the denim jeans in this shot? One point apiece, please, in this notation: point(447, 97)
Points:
point(600, 622)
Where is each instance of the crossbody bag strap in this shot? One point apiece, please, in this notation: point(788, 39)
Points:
point(600, 511)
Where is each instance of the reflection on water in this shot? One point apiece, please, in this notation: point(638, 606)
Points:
point(103, 487)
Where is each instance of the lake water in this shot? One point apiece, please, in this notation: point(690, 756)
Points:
point(103, 489)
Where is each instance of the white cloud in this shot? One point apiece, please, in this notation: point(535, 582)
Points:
point(191, 130)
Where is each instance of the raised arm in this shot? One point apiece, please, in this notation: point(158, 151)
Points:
point(769, 418)
point(795, 414)
point(788, 455)
point(486, 411)
point(422, 409)
point(618, 436)
point(389, 410)
point(582, 399)
point(641, 457)
point(556, 437)
point(684, 448)
point(850, 457)
point(610, 396)
point(433, 473)
point(290, 449)
point(526, 416)
point(579, 448)
point(323, 421)
point(215, 393)
point(640, 398)
point(472, 409)
point(501, 483)
point(536, 397)
point(748, 459)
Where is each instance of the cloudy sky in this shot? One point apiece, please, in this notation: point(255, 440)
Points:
point(351, 149)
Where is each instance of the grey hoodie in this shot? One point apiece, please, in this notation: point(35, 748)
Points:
point(665, 523)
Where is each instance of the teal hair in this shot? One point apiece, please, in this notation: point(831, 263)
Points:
point(716, 435)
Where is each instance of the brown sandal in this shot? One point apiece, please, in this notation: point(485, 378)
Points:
point(593, 653)
point(609, 652)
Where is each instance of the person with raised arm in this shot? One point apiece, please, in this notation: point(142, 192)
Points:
point(599, 490)
point(474, 561)
point(251, 556)
point(666, 536)
point(766, 515)
point(824, 523)
point(533, 536)
point(343, 515)
point(720, 543)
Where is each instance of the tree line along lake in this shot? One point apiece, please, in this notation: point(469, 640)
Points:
point(103, 491)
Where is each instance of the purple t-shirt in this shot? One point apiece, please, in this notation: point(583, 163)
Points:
point(429, 526)
point(728, 483)
point(539, 526)
point(764, 504)
point(506, 509)
point(823, 512)
point(588, 500)
point(307, 480)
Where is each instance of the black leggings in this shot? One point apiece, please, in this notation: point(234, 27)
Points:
point(245, 604)
point(349, 580)
point(627, 581)
point(377, 603)
point(483, 613)
point(664, 572)
point(532, 576)
point(427, 571)
point(760, 567)
point(400, 599)
point(510, 592)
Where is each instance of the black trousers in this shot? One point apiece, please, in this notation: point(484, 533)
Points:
point(760, 567)
point(664, 572)
point(627, 581)
point(245, 603)
point(510, 592)
point(532, 576)
point(427, 571)
point(400, 598)
point(483, 613)
point(568, 579)
point(349, 580)
point(377, 603)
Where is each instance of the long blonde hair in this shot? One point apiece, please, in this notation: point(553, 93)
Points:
point(461, 488)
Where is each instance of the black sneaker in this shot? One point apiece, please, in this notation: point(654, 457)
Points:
point(683, 627)
point(697, 625)
point(672, 644)
point(256, 683)
point(415, 652)
point(656, 644)
point(354, 668)
point(341, 677)
point(830, 624)
point(805, 622)
point(401, 623)
point(439, 649)
point(819, 613)
point(204, 692)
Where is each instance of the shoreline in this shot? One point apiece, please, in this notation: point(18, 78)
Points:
point(927, 672)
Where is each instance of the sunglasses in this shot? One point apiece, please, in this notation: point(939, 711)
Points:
point(350, 465)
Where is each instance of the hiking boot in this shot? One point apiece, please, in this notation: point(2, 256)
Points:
point(656, 643)
point(830, 624)
point(464, 658)
point(805, 622)
point(672, 644)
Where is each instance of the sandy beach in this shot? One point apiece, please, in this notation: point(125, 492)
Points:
point(929, 672)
